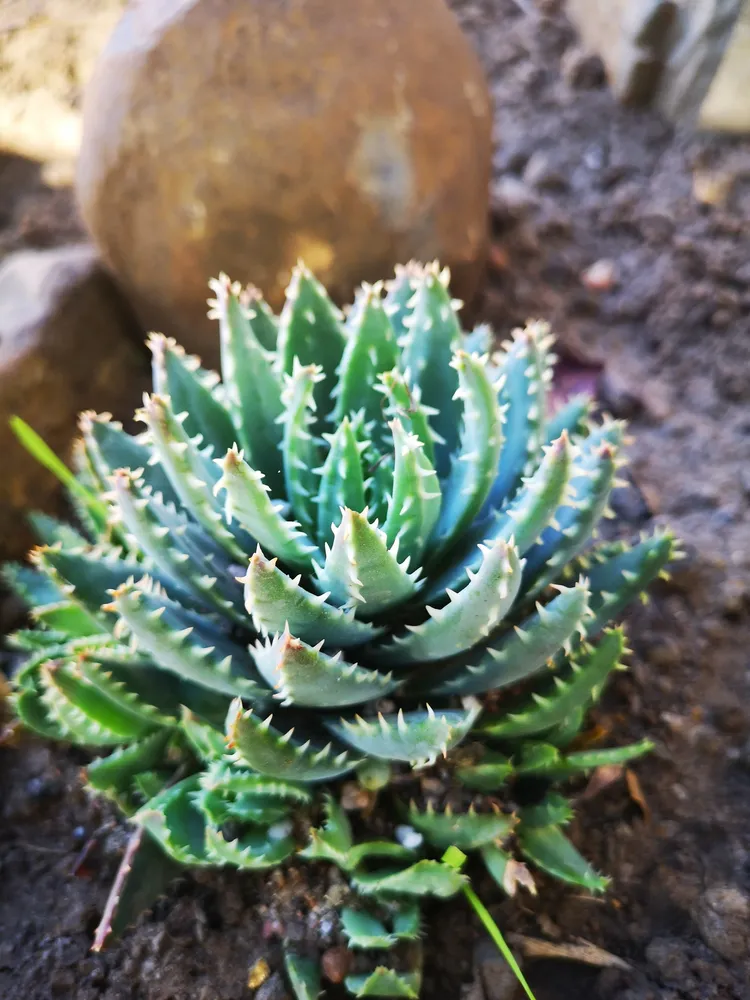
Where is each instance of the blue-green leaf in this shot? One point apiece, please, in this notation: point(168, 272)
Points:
point(192, 391)
point(252, 387)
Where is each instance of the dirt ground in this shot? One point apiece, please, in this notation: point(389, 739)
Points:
point(635, 243)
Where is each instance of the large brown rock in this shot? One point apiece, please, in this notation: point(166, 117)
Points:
point(67, 343)
point(241, 135)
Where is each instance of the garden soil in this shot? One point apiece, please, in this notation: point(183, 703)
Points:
point(634, 242)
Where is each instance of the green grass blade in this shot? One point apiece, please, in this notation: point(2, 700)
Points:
point(455, 859)
point(41, 451)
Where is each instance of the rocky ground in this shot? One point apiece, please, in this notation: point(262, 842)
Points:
point(634, 242)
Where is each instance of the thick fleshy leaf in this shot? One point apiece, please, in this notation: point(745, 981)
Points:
point(253, 850)
point(252, 387)
point(520, 652)
point(364, 930)
point(466, 831)
point(423, 878)
point(300, 450)
point(311, 331)
point(275, 601)
point(406, 921)
point(28, 706)
point(384, 982)
point(175, 823)
point(544, 844)
point(370, 350)
point(404, 402)
point(207, 742)
point(108, 447)
point(272, 752)
point(414, 506)
point(618, 577)
point(547, 761)
point(566, 731)
point(115, 774)
point(334, 842)
point(571, 418)
point(192, 391)
point(239, 788)
point(342, 481)
point(252, 308)
point(305, 676)
point(190, 577)
point(416, 737)
point(65, 717)
point(432, 335)
point(479, 341)
point(592, 479)
point(160, 627)
point(469, 617)
point(35, 589)
point(87, 578)
point(525, 371)
point(192, 474)
point(248, 501)
point(399, 299)
point(303, 975)
point(90, 691)
point(49, 531)
point(488, 774)
point(566, 694)
point(362, 571)
point(474, 463)
point(540, 496)
point(523, 520)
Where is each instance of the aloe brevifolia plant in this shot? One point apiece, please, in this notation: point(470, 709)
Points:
point(363, 554)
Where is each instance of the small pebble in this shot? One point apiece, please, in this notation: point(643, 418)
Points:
point(408, 837)
point(493, 972)
point(541, 174)
point(711, 187)
point(273, 989)
point(354, 797)
point(258, 974)
point(655, 398)
point(512, 198)
point(336, 963)
point(600, 277)
point(723, 918)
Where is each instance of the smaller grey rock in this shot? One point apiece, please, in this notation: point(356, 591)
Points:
point(68, 342)
point(723, 918)
point(581, 69)
point(512, 198)
point(667, 955)
point(542, 174)
point(492, 972)
point(274, 988)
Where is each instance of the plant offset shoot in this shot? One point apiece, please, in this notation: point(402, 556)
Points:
point(364, 554)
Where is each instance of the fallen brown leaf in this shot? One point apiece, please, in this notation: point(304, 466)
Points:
point(583, 951)
point(602, 778)
point(517, 874)
point(636, 793)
